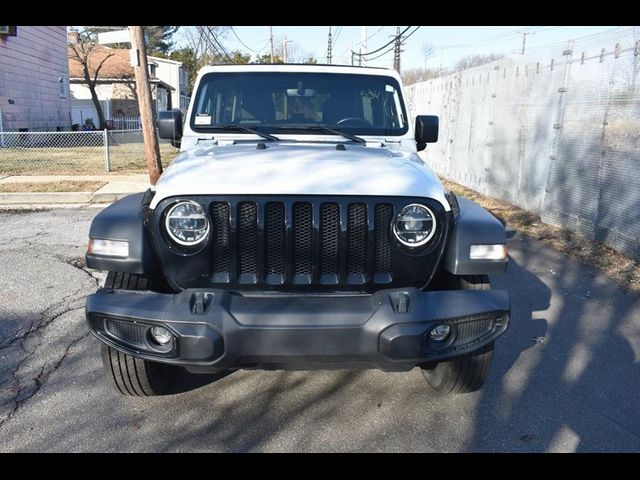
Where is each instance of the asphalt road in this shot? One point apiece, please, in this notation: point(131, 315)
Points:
point(566, 376)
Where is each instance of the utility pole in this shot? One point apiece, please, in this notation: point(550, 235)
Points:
point(143, 91)
point(396, 51)
point(363, 46)
point(524, 41)
point(329, 48)
point(351, 50)
point(271, 41)
point(284, 50)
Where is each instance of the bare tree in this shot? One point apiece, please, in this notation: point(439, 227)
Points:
point(474, 60)
point(428, 51)
point(415, 75)
point(82, 53)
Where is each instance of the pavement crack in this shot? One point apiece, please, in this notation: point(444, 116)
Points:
point(41, 379)
point(51, 314)
point(79, 263)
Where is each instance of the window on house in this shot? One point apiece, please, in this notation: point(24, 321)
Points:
point(11, 31)
point(62, 85)
point(152, 69)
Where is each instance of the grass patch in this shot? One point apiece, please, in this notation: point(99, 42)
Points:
point(40, 187)
point(624, 270)
point(125, 158)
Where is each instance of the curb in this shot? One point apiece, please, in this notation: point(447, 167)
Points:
point(48, 198)
point(45, 198)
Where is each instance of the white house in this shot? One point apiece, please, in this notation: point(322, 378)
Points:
point(115, 88)
point(172, 73)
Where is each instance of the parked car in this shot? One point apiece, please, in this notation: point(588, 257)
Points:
point(297, 229)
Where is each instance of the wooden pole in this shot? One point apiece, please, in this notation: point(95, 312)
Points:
point(149, 131)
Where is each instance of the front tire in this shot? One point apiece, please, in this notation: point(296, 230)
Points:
point(129, 375)
point(133, 376)
point(466, 373)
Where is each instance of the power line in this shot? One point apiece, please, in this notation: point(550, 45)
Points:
point(382, 54)
point(416, 29)
point(211, 39)
point(382, 47)
point(337, 34)
point(244, 44)
point(224, 52)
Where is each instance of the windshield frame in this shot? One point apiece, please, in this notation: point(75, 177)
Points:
point(280, 128)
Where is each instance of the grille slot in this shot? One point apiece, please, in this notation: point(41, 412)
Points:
point(221, 251)
point(329, 238)
point(384, 212)
point(247, 237)
point(274, 238)
point(302, 230)
point(357, 239)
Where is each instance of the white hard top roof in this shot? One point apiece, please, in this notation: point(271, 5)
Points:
point(303, 67)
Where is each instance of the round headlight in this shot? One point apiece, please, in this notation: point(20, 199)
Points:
point(186, 223)
point(415, 225)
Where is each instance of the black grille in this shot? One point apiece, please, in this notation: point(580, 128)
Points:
point(131, 333)
point(469, 331)
point(220, 237)
point(300, 243)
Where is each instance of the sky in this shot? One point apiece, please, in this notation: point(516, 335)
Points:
point(451, 43)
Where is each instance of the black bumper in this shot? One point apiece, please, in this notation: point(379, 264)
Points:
point(216, 330)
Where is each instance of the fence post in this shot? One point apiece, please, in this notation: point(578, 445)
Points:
point(107, 163)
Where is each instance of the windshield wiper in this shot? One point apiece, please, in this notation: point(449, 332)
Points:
point(240, 128)
point(320, 128)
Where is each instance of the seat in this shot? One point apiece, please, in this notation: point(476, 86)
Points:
point(337, 107)
point(259, 105)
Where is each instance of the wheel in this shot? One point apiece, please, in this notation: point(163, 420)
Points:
point(132, 281)
point(466, 373)
point(136, 377)
point(130, 375)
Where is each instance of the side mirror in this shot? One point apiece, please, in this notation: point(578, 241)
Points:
point(426, 130)
point(170, 126)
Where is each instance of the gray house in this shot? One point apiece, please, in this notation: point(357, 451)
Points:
point(34, 79)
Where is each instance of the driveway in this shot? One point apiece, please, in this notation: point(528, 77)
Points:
point(566, 376)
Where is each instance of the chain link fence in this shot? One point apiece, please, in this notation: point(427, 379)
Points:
point(87, 152)
point(556, 132)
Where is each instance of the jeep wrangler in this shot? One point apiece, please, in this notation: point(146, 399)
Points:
point(297, 229)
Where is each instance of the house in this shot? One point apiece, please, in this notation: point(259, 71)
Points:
point(174, 74)
point(115, 88)
point(34, 73)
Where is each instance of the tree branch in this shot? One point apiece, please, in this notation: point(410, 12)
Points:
point(95, 77)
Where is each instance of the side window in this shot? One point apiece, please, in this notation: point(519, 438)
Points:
point(62, 85)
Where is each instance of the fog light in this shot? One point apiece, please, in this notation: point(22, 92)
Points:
point(161, 335)
point(440, 333)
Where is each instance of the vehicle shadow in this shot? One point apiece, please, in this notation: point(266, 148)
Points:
point(572, 388)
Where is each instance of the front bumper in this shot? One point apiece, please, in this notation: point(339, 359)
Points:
point(216, 330)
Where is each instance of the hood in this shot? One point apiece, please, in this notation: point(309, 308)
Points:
point(298, 169)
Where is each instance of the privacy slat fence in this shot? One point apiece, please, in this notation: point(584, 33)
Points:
point(556, 132)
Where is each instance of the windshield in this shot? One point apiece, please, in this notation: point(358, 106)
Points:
point(278, 101)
